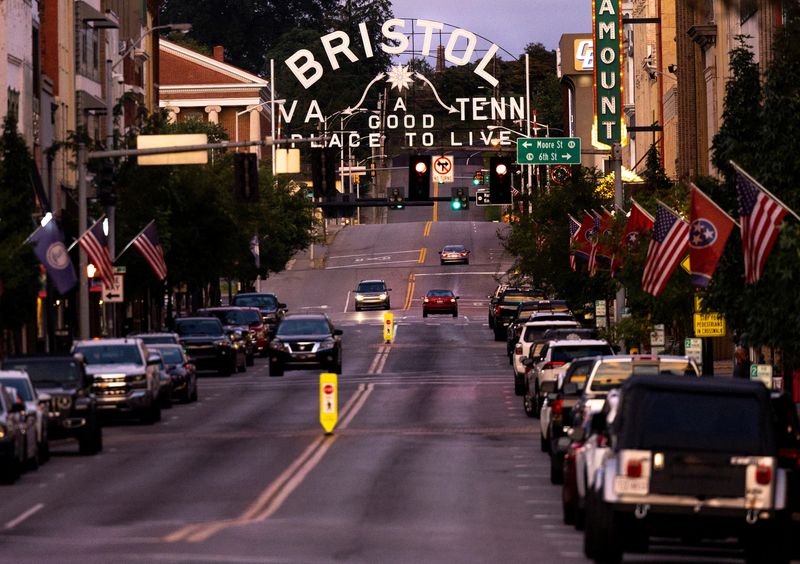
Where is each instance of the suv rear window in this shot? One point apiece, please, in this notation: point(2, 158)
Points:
point(566, 354)
point(46, 371)
point(264, 302)
point(198, 327)
point(110, 354)
point(611, 374)
point(697, 422)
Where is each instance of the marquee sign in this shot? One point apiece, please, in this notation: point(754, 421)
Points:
point(607, 19)
point(418, 130)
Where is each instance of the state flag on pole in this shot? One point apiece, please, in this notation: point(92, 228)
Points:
point(50, 250)
point(149, 247)
point(759, 215)
point(95, 243)
point(709, 231)
point(594, 237)
point(667, 247)
point(574, 228)
point(638, 223)
point(583, 243)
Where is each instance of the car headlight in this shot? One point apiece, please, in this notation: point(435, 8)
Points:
point(3, 431)
point(277, 345)
point(359, 297)
point(382, 296)
point(327, 344)
point(222, 343)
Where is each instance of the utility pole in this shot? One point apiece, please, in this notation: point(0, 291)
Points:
point(616, 161)
point(83, 284)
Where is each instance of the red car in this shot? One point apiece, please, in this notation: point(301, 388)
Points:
point(440, 301)
point(259, 328)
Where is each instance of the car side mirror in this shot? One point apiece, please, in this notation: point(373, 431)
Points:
point(281, 305)
point(440, 252)
point(337, 332)
point(79, 358)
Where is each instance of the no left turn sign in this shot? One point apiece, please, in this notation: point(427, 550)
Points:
point(442, 168)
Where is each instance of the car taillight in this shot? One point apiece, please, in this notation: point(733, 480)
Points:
point(634, 468)
point(518, 349)
point(791, 453)
point(763, 475)
point(186, 365)
point(497, 310)
point(552, 365)
point(558, 407)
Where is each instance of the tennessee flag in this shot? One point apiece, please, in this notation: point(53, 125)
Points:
point(583, 238)
point(639, 222)
point(708, 232)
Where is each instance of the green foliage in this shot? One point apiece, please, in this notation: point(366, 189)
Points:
point(18, 265)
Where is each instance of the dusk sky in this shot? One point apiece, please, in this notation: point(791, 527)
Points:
point(511, 24)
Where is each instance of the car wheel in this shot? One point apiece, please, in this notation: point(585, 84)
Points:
point(499, 334)
point(32, 462)
point(466, 261)
point(602, 531)
point(491, 321)
point(543, 446)
point(556, 470)
point(91, 442)
point(250, 359)
point(166, 402)
point(243, 366)
point(455, 313)
point(527, 405)
point(441, 263)
point(193, 397)
point(276, 369)
point(152, 415)
point(358, 308)
point(388, 306)
point(44, 451)
point(424, 313)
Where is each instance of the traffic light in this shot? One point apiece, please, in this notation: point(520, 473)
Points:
point(500, 172)
point(323, 171)
point(477, 178)
point(105, 182)
point(246, 175)
point(459, 199)
point(396, 199)
point(419, 177)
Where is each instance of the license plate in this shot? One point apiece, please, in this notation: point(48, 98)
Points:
point(634, 486)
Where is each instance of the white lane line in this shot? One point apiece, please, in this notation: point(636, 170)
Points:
point(347, 302)
point(30, 512)
point(373, 254)
point(368, 265)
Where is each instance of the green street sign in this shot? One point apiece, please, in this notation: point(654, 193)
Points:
point(549, 150)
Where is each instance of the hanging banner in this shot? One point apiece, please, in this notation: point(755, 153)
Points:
point(607, 19)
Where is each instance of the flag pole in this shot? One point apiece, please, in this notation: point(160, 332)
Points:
point(672, 211)
point(128, 246)
point(767, 192)
point(75, 242)
point(694, 186)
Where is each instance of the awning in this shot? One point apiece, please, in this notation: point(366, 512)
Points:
point(89, 103)
point(95, 19)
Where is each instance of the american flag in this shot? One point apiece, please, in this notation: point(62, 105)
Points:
point(667, 247)
point(95, 243)
point(574, 227)
point(514, 192)
point(595, 237)
point(148, 246)
point(759, 215)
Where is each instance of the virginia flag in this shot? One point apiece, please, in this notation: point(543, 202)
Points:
point(50, 250)
point(709, 230)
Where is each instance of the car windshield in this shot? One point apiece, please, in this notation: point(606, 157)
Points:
point(229, 316)
point(198, 327)
point(302, 327)
point(23, 389)
point(371, 287)
point(567, 354)
point(171, 355)
point(263, 302)
point(110, 354)
point(47, 371)
point(611, 374)
point(440, 294)
point(157, 339)
point(251, 316)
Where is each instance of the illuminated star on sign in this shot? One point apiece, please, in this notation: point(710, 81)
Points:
point(400, 77)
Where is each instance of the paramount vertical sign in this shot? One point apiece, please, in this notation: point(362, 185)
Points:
point(607, 20)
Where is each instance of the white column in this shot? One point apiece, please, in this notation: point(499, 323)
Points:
point(255, 127)
point(213, 113)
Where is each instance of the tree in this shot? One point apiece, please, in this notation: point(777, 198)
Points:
point(19, 274)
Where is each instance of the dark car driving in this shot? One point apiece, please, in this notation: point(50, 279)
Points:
point(307, 340)
point(236, 319)
point(209, 347)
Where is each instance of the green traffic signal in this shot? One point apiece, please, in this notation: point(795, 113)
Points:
point(455, 205)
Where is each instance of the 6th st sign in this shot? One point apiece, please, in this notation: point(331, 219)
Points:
point(549, 150)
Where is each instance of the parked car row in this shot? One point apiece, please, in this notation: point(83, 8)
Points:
point(644, 448)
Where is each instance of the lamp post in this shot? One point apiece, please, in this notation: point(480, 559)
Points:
point(111, 208)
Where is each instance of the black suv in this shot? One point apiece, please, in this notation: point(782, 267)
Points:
point(305, 340)
point(271, 309)
point(688, 458)
point(72, 407)
point(208, 346)
point(505, 308)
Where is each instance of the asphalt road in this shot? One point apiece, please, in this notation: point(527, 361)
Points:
point(433, 459)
